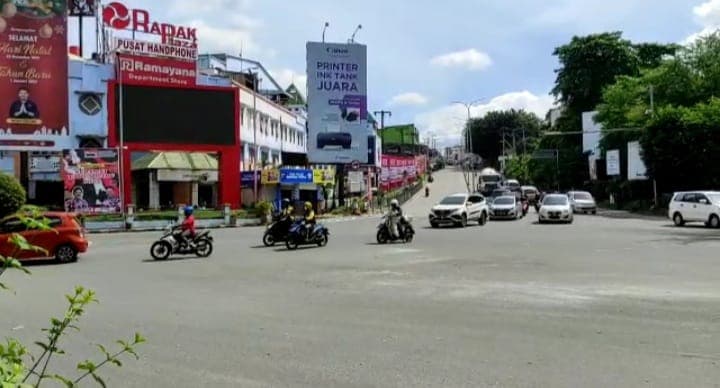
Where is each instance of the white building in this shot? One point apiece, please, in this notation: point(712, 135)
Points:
point(270, 124)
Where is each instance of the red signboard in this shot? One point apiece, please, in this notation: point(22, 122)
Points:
point(33, 68)
point(118, 16)
point(152, 71)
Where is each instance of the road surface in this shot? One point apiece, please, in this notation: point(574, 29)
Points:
point(603, 302)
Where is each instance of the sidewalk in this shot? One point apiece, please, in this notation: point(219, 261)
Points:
point(624, 214)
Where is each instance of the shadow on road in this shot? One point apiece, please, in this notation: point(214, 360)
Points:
point(172, 259)
point(42, 263)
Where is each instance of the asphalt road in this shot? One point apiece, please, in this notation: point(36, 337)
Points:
point(603, 302)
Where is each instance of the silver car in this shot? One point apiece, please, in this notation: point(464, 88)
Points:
point(582, 202)
point(506, 207)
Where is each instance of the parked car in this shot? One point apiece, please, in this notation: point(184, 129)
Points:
point(695, 206)
point(459, 209)
point(64, 240)
point(507, 207)
point(582, 202)
point(555, 208)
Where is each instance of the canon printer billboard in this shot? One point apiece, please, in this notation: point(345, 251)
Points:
point(338, 130)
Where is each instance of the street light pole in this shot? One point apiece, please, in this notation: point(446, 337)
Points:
point(469, 174)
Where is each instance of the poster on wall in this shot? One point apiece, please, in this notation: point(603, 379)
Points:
point(33, 72)
point(612, 160)
point(636, 166)
point(91, 180)
point(338, 129)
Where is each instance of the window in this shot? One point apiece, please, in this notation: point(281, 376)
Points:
point(12, 225)
point(54, 222)
point(691, 197)
point(90, 104)
point(476, 199)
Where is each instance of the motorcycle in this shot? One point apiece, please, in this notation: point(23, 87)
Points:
point(277, 231)
point(320, 235)
point(406, 233)
point(525, 207)
point(169, 244)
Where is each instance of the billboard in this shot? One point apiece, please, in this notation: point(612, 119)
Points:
point(338, 128)
point(91, 180)
point(176, 116)
point(592, 133)
point(636, 166)
point(157, 71)
point(397, 171)
point(612, 160)
point(33, 73)
point(154, 49)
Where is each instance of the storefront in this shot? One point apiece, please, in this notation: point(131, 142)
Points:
point(299, 185)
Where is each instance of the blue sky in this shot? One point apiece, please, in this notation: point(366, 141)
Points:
point(424, 54)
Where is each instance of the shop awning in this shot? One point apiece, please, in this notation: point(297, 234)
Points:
point(175, 161)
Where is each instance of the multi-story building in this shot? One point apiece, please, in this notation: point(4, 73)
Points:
point(272, 129)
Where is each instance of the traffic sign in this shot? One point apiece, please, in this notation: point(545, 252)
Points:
point(544, 154)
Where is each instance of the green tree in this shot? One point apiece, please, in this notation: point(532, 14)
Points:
point(587, 65)
point(12, 195)
point(651, 55)
point(517, 128)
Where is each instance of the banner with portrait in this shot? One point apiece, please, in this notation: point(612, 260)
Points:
point(91, 180)
point(33, 68)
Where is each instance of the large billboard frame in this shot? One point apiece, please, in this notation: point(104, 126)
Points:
point(338, 128)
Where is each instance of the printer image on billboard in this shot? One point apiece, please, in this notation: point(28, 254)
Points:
point(334, 139)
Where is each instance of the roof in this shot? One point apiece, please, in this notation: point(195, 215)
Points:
point(175, 161)
point(296, 97)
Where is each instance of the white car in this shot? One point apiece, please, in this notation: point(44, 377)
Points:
point(695, 206)
point(582, 202)
point(555, 208)
point(506, 207)
point(458, 210)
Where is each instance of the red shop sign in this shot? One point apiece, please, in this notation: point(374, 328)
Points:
point(119, 17)
point(157, 71)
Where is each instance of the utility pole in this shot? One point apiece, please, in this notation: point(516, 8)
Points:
point(382, 114)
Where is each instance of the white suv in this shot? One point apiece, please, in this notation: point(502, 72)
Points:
point(696, 206)
point(458, 209)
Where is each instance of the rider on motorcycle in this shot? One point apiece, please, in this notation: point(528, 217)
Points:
point(287, 209)
point(187, 227)
point(308, 219)
point(394, 216)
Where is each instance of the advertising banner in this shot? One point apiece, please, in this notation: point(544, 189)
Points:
point(33, 71)
point(338, 128)
point(92, 181)
point(324, 176)
point(295, 176)
point(152, 71)
point(270, 177)
point(612, 160)
point(397, 171)
point(636, 165)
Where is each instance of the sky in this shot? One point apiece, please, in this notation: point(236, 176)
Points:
point(423, 55)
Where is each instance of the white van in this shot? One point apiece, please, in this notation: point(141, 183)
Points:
point(695, 206)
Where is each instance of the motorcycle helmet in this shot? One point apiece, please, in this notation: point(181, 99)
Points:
point(188, 211)
point(395, 203)
point(285, 203)
point(308, 206)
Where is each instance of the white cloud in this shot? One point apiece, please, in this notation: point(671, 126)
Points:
point(447, 123)
point(707, 16)
point(470, 59)
point(410, 98)
point(285, 77)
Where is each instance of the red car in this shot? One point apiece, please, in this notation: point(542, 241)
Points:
point(63, 241)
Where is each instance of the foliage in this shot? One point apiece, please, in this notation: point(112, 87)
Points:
point(588, 64)
point(263, 208)
point(14, 357)
point(680, 145)
point(489, 131)
point(680, 130)
point(651, 55)
point(12, 195)
point(518, 167)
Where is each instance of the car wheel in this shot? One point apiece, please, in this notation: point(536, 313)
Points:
point(714, 221)
point(483, 219)
point(678, 219)
point(66, 254)
point(594, 212)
